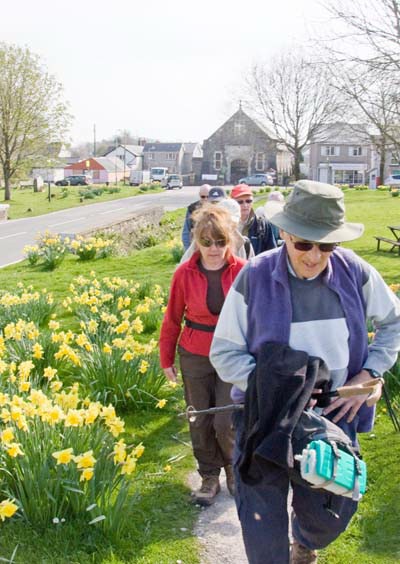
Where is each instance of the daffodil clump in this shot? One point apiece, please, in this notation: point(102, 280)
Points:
point(52, 249)
point(25, 303)
point(63, 457)
point(32, 253)
point(89, 248)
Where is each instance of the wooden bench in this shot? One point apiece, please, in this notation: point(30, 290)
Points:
point(390, 241)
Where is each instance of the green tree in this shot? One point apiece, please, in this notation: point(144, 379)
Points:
point(32, 111)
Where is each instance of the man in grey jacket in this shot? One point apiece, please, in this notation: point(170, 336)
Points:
point(315, 297)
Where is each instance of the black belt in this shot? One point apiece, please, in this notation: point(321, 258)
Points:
point(200, 326)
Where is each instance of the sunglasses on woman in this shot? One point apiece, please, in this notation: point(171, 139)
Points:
point(248, 201)
point(305, 246)
point(209, 242)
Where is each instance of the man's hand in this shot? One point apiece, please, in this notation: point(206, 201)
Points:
point(171, 373)
point(350, 406)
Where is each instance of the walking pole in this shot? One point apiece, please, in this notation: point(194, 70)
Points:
point(191, 413)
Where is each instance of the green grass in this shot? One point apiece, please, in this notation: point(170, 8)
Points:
point(27, 203)
point(161, 518)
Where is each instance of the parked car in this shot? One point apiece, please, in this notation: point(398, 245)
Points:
point(173, 181)
point(74, 180)
point(258, 179)
point(393, 180)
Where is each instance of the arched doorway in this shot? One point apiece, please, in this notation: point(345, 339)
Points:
point(239, 168)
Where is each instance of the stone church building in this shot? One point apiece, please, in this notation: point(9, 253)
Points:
point(240, 147)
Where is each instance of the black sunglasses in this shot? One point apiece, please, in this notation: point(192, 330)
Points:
point(210, 242)
point(204, 197)
point(240, 202)
point(307, 246)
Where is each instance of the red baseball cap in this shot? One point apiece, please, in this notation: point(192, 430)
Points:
point(241, 190)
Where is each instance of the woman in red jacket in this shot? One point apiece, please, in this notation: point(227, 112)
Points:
point(198, 290)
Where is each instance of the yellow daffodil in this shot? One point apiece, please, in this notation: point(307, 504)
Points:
point(63, 456)
point(144, 365)
point(85, 460)
point(54, 325)
point(119, 452)
point(37, 351)
point(56, 385)
point(7, 435)
point(49, 372)
point(129, 465)
point(14, 450)
point(73, 418)
point(86, 475)
point(127, 356)
point(138, 450)
point(107, 349)
point(7, 509)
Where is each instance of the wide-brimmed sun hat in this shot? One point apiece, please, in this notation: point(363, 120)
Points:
point(314, 211)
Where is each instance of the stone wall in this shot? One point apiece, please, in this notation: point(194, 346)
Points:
point(130, 228)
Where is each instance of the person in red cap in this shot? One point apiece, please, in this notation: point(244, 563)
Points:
point(257, 229)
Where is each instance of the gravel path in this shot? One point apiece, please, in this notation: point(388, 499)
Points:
point(218, 528)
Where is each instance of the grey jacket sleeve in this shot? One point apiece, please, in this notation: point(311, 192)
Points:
point(383, 310)
point(186, 231)
point(229, 351)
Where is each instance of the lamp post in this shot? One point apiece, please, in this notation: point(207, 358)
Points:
point(48, 180)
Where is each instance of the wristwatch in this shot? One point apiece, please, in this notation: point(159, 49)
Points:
point(373, 373)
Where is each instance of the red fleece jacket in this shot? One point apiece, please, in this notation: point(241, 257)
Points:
point(188, 298)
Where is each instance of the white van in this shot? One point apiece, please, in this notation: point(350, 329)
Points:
point(137, 177)
point(158, 173)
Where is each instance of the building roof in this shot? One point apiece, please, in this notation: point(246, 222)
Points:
point(110, 164)
point(162, 147)
point(135, 150)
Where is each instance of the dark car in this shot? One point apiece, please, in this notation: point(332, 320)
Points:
point(74, 180)
point(258, 179)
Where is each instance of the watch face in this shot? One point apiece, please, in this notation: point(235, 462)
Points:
point(373, 373)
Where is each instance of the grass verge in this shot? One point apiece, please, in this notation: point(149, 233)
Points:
point(26, 203)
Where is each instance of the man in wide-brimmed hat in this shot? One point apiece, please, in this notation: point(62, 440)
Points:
point(314, 296)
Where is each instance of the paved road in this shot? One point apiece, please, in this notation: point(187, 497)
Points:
point(17, 233)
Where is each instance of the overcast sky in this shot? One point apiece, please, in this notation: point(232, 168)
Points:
point(169, 70)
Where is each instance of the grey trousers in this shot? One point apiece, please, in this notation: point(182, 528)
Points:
point(212, 435)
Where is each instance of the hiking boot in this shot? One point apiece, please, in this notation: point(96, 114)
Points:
point(209, 489)
point(230, 479)
point(302, 555)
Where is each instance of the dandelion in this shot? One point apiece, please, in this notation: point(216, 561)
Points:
point(63, 456)
point(161, 403)
point(167, 468)
point(7, 509)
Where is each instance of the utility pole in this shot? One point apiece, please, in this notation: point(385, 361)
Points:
point(94, 140)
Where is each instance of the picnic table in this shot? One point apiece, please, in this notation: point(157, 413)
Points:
point(395, 242)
